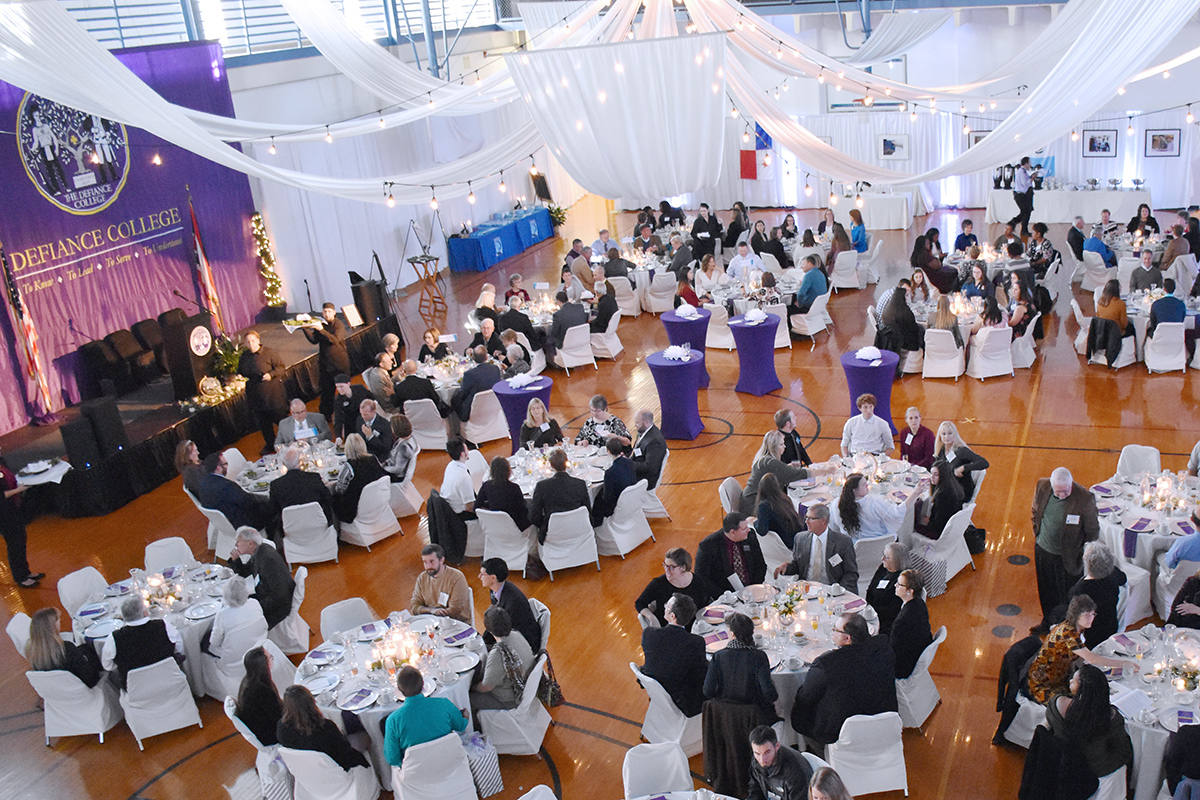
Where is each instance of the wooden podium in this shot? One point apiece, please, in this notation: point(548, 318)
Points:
point(188, 346)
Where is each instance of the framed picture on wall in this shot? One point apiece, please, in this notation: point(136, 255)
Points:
point(892, 147)
point(1162, 142)
point(1100, 144)
point(975, 137)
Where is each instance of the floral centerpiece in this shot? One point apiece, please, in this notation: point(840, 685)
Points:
point(213, 393)
point(159, 593)
point(1183, 674)
point(1164, 493)
point(787, 601)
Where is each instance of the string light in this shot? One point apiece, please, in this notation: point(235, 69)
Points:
point(1166, 73)
point(1190, 116)
point(785, 86)
point(981, 108)
point(734, 112)
point(433, 200)
point(868, 100)
point(533, 170)
point(1074, 136)
point(157, 160)
point(391, 201)
point(1129, 130)
point(776, 94)
point(779, 53)
point(832, 198)
point(858, 201)
point(503, 188)
point(807, 188)
point(382, 123)
point(745, 136)
point(471, 196)
point(966, 126)
point(1120, 90)
point(328, 136)
point(271, 150)
point(767, 158)
point(887, 90)
point(913, 115)
point(821, 77)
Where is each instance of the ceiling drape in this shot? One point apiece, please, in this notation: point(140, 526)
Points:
point(896, 34)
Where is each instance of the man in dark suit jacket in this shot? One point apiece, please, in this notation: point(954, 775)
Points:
point(793, 448)
point(1064, 520)
point(683, 258)
point(299, 418)
point(488, 338)
point(346, 404)
point(273, 580)
point(649, 450)
point(514, 319)
point(617, 267)
point(648, 241)
point(606, 306)
point(297, 487)
point(714, 554)
point(676, 658)
point(617, 478)
point(856, 678)
point(559, 492)
point(412, 386)
point(375, 430)
point(1075, 239)
point(568, 316)
point(332, 357)
point(839, 565)
point(493, 574)
point(706, 232)
point(479, 378)
point(221, 494)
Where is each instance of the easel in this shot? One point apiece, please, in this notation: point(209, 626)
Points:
point(432, 304)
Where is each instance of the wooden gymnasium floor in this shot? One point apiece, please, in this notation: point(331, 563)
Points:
point(1058, 413)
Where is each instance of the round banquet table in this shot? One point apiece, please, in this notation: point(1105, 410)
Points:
point(863, 378)
point(694, 332)
point(515, 402)
point(756, 355)
point(678, 383)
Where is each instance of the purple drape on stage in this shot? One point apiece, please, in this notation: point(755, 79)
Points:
point(515, 403)
point(85, 273)
point(678, 383)
point(693, 332)
point(863, 378)
point(756, 355)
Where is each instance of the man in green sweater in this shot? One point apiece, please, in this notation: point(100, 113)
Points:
point(421, 719)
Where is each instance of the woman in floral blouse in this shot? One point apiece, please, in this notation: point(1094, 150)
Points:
point(601, 425)
point(1050, 673)
point(1041, 252)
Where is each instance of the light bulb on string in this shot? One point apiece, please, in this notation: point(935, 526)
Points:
point(471, 196)
point(533, 170)
point(993, 104)
point(833, 198)
point(271, 149)
point(868, 100)
point(745, 136)
point(858, 201)
point(785, 86)
point(1129, 130)
point(382, 122)
point(734, 112)
point(807, 188)
point(820, 77)
point(981, 108)
point(391, 201)
point(503, 188)
point(1120, 90)
point(779, 53)
point(1166, 73)
point(887, 90)
point(966, 126)
point(962, 108)
point(433, 203)
point(913, 115)
point(157, 160)
point(767, 158)
point(1190, 116)
point(776, 94)
point(1074, 136)
point(328, 136)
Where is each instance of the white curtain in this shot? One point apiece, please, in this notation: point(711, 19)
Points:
point(545, 16)
point(658, 20)
point(617, 129)
point(896, 34)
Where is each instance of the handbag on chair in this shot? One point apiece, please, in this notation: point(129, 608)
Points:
point(549, 692)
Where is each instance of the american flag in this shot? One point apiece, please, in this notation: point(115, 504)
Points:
point(31, 355)
point(205, 271)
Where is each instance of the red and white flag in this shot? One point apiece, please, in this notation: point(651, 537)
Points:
point(31, 356)
point(204, 270)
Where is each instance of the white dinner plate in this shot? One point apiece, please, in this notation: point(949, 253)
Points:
point(119, 589)
point(1181, 527)
point(812, 652)
point(203, 610)
point(892, 467)
point(206, 573)
point(462, 661)
point(1170, 719)
point(422, 623)
point(93, 611)
point(459, 638)
point(322, 682)
point(372, 631)
point(216, 589)
point(103, 628)
point(327, 654)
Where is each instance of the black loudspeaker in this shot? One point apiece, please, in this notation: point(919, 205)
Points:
point(80, 441)
point(370, 298)
point(106, 424)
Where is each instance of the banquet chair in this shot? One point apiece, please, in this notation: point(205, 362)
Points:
point(570, 541)
point(1169, 581)
point(169, 552)
point(70, 708)
point(236, 463)
point(478, 467)
point(1112, 786)
point(943, 358)
point(772, 265)
point(1095, 273)
point(978, 478)
point(1136, 459)
point(656, 769)
point(1023, 352)
point(212, 531)
point(912, 362)
point(627, 299)
point(950, 548)
point(345, 615)
point(576, 350)
point(307, 536)
point(815, 762)
point(539, 792)
point(872, 328)
point(730, 492)
point(774, 551)
point(374, 520)
point(607, 344)
point(1127, 354)
point(1084, 323)
point(542, 614)
point(404, 499)
point(1030, 714)
point(435, 770)
point(273, 776)
point(991, 354)
point(487, 422)
point(318, 777)
point(664, 722)
point(1125, 270)
point(800, 252)
point(518, 731)
point(869, 754)
point(661, 295)
point(225, 536)
point(75, 588)
point(782, 337)
point(222, 669)
point(537, 358)
point(654, 507)
point(157, 699)
point(867, 554)
point(1165, 351)
point(1053, 279)
point(292, 633)
point(503, 539)
point(627, 528)
point(18, 630)
point(719, 335)
point(845, 273)
point(1134, 601)
point(812, 321)
point(917, 694)
point(869, 265)
point(1185, 272)
point(1074, 266)
point(429, 429)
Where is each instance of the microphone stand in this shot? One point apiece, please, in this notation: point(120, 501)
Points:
point(186, 299)
point(307, 291)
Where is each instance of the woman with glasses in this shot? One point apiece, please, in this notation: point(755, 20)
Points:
point(881, 594)
point(1049, 675)
point(677, 577)
point(910, 633)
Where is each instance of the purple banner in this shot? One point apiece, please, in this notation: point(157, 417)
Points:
point(95, 220)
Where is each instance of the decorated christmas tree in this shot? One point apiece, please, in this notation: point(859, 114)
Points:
point(273, 291)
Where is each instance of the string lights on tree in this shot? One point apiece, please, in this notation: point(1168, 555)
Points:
point(273, 289)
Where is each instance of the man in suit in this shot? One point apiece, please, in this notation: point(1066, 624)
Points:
point(221, 494)
point(1075, 238)
point(301, 424)
point(647, 241)
point(681, 262)
point(581, 267)
point(617, 478)
point(347, 401)
point(376, 430)
point(412, 386)
point(649, 450)
point(379, 381)
point(731, 551)
point(297, 487)
point(675, 658)
point(514, 319)
point(559, 492)
point(856, 678)
point(793, 448)
point(822, 555)
point(617, 267)
point(488, 338)
point(263, 370)
point(479, 378)
point(1064, 520)
point(493, 574)
point(253, 558)
point(568, 316)
point(1177, 246)
point(332, 357)
point(573, 253)
point(606, 305)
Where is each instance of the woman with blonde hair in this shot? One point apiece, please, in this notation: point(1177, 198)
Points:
point(431, 348)
point(945, 320)
point(963, 461)
point(48, 652)
point(769, 461)
point(539, 429)
point(360, 469)
point(709, 277)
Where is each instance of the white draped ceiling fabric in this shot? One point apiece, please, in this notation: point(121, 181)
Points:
point(545, 16)
point(896, 34)
point(613, 130)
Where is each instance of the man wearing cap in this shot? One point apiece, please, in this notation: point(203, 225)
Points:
point(332, 357)
point(1094, 244)
point(348, 400)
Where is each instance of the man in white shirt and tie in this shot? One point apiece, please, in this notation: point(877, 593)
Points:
point(822, 555)
point(740, 265)
point(457, 488)
point(602, 245)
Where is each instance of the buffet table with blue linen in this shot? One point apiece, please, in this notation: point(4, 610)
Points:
point(496, 240)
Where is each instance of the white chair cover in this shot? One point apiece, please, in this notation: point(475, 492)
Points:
point(576, 350)
point(429, 429)
point(307, 537)
point(772, 265)
point(405, 499)
point(653, 507)
point(223, 674)
point(774, 551)
point(991, 353)
point(168, 553)
point(374, 520)
point(978, 476)
point(950, 547)
point(661, 295)
point(344, 615)
point(212, 531)
point(1053, 278)
point(1112, 786)
point(487, 422)
point(318, 777)
point(477, 465)
point(1125, 269)
point(18, 630)
point(627, 299)
point(1165, 350)
point(226, 536)
point(872, 325)
point(1030, 714)
point(811, 322)
point(914, 362)
point(730, 492)
point(1169, 581)
point(292, 634)
point(655, 769)
point(75, 588)
point(664, 722)
point(1138, 458)
point(542, 614)
point(1084, 323)
point(627, 528)
point(539, 792)
point(607, 344)
point(273, 774)
point(518, 731)
point(236, 462)
point(502, 539)
point(1134, 598)
point(719, 335)
point(1127, 356)
point(436, 770)
point(157, 699)
point(1185, 269)
point(846, 274)
point(869, 754)
point(782, 337)
point(1095, 273)
point(537, 358)
point(917, 694)
point(1023, 352)
point(71, 708)
point(943, 358)
point(815, 762)
point(867, 554)
point(570, 541)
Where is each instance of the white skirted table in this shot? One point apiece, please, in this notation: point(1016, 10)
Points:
point(1061, 205)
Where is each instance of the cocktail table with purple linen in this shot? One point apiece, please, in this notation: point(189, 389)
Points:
point(515, 402)
point(866, 378)
point(756, 354)
point(691, 331)
point(678, 383)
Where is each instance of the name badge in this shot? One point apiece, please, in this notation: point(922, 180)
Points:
point(443, 599)
point(834, 560)
point(1072, 519)
point(882, 584)
point(951, 455)
point(908, 439)
point(637, 452)
point(545, 426)
point(305, 433)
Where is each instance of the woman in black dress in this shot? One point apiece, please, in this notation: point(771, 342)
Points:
point(47, 651)
point(944, 503)
point(963, 460)
point(677, 577)
point(302, 727)
point(900, 319)
point(881, 594)
point(741, 672)
point(431, 347)
point(910, 633)
point(539, 429)
point(360, 469)
point(12, 525)
point(258, 703)
point(499, 493)
point(775, 511)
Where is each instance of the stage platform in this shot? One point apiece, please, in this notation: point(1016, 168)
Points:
point(155, 424)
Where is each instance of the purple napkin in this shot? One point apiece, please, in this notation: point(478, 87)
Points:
point(855, 603)
point(369, 629)
point(458, 637)
point(1140, 525)
point(1102, 489)
point(1130, 543)
point(714, 614)
point(1115, 672)
point(359, 696)
point(713, 638)
point(1186, 527)
point(1124, 640)
point(1186, 717)
point(318, 654)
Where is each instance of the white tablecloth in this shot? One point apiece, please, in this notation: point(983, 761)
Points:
point(880, 211)
point(1059, 205)
point(827, 489)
